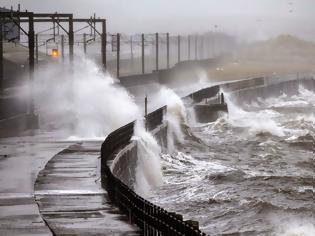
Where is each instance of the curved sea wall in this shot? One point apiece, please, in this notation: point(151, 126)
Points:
point(119, 155)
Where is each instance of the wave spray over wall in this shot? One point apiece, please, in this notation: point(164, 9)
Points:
point(83, 102)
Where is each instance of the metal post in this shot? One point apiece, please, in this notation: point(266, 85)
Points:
point(54, 29)
point(91, 28)
point(142, 45)
point(118, 54)
point(84, 43)
point(131, 49)
point(94, 24)
point(146, 111)
point(36, 47)
point(178, 44)
point(58, 28)
point(19, 10)
point(196, 47)
point(1, 56)
point(188, 47)
point(222, 98)
point(157, 51)
point(202, 53)
point(32, 122)
point(168, 50)
point(104, 43)
point(71, 38)
point(62, 46)
point(31, 46)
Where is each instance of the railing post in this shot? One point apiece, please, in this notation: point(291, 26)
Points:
point(118, 54)
point(178, 44)
point(157, 51)
point(222, 98)
point(168, 50)
point(142, 50)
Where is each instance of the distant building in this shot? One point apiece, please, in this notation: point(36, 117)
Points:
point(10, 30)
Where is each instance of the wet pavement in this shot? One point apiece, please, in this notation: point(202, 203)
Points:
point(21, 159)
point(70, 196)
point(67, 199)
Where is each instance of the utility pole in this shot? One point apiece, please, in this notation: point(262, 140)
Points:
point(178, 43)
point(196, 47)
point(142, 47)
point(157, 51)
point(84, 43)
point(62, 46)
point(168, 50)
point(94, 24)
point(104, 43)
point(118, 54)
point(54, 29)
point(33, 121)
point(36, 47)
point(188, 47)
point(71, 38)
point(91, 28)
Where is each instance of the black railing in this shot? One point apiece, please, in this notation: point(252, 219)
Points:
point(155, 118)
point(152, 219)
point(205, 93)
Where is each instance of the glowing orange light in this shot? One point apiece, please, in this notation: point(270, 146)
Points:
point(54, 52)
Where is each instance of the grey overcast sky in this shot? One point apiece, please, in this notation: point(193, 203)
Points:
point(245, 18)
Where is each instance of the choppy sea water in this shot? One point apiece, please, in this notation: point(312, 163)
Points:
point(251, 172)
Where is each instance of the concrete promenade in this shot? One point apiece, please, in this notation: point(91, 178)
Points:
point(47, 188)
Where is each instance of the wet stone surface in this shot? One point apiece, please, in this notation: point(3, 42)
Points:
point(70, 197)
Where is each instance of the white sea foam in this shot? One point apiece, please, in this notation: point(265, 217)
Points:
point(294, 227)
point(148, 170)
point(256, 122)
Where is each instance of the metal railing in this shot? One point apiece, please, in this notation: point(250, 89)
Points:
point(152, 219)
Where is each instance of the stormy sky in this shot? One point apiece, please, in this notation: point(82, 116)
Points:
point(254, 19)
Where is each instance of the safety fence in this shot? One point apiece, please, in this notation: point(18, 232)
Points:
point(132, 54)
point(152, 219)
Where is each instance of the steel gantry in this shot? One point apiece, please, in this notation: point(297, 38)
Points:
point(31, 18)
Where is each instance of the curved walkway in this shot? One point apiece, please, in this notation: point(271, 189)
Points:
point(21, 158)
point(70, 197)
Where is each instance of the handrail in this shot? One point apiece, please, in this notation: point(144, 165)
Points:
point(152, 219)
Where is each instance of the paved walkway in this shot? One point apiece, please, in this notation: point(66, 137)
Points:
point(70, 197)
point(21, 159)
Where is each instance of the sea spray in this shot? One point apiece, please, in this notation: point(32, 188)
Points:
point(175, 116)
point(256, 122)
point(292, 226)
point(148, 169)
point(85, 102)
